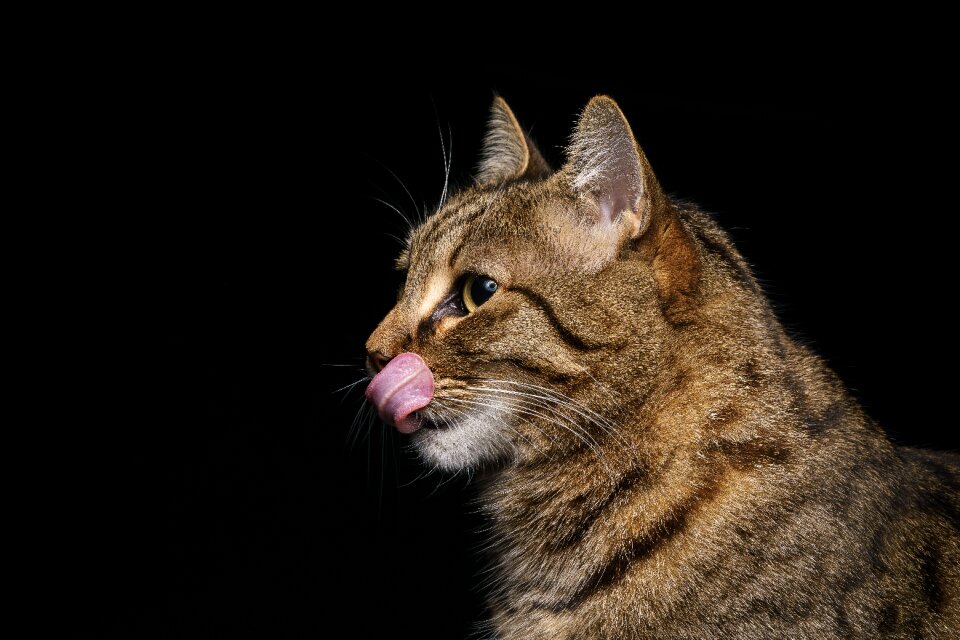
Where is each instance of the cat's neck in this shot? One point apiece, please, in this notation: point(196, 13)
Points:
point(657, 492)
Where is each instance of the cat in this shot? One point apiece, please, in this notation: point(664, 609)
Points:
point(659, 458)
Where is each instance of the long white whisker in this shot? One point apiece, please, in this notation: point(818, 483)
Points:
point(383, 471)
point(573, 428)
point(559, 395)
point(446, 163)
point(609, 427)
point(476, 403)
point(525, 403)
point(570, 405)
point(362, 416)
point(420, 216)
point(351, 385)
point(406, 219)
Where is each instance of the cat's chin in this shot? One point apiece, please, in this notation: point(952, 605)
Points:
point(466, 444)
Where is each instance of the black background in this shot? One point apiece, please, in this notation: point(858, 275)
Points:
point(227, 498)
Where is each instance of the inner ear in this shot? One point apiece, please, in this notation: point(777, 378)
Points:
point(620, 190)
point(606, 164)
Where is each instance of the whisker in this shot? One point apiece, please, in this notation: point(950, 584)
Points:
point(406, 219)
point(363, 415)
point(447, 159)
point(396, 459)
point(446, 168)
point(554, 396)
point(508, 426)
point(383, 471)
point(573, 428)
point(420, 214)
point(351, 385)
point(545, 399)
point(562, 396)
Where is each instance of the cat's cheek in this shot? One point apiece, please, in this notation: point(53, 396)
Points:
point(465, 445)
point(446, 324)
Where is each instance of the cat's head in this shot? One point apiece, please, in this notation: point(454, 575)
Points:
point(538, 304)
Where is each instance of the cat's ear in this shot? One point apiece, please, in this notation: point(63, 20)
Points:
point(605, 163)
point(508, 153)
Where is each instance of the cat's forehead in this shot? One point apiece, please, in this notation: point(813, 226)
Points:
point(523, 229)
point(481, 221)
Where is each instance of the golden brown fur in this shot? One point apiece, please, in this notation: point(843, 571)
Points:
point(661, 460)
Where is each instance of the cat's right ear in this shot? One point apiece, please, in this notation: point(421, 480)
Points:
point(508, 153)
point(607, 166)
point(617, 188)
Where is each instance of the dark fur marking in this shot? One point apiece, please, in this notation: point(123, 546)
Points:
point(889, 617)
point(931, 579)
point(727, 254)
point(830, 419)
point(526, 365)
point(568, 336)
point(456, 252)
point(749, 372)
point(753, 452)
point(724, 416)
point(638, 548)
point(439, 222)
point(616, 568)
point(940, 502)
point(624, 485)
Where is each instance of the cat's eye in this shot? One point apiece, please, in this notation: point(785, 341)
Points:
point(477, 290)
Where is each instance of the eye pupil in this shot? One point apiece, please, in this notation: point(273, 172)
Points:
point(477, 290)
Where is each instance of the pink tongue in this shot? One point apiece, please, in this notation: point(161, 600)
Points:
point(404, 386)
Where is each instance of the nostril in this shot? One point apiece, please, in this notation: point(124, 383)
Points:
point(379, 360)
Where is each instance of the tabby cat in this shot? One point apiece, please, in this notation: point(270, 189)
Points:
point(659, 458)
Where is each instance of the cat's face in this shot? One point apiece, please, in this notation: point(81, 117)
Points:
point(531, 314)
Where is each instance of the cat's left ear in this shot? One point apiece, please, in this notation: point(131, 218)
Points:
point(606, 165)
point(508, 153)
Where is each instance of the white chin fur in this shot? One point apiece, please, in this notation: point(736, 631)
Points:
point(468, 442)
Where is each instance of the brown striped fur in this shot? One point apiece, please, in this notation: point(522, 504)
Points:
point(686, 469)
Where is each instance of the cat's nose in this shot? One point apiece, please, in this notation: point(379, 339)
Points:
point(378, 360)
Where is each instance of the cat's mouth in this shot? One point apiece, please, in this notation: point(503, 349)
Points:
point(401, 389)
